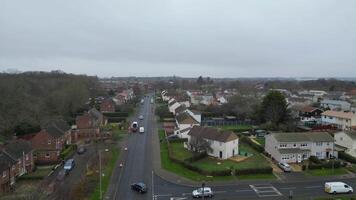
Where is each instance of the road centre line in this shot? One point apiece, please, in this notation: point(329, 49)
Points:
point(243, 190)
point(311, 187)
point(288, 188)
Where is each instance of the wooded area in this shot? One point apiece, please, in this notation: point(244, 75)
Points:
point(30, 99)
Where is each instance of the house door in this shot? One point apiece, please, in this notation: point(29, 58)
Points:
point(327, 154)
point(220, 154)
point(233, 152)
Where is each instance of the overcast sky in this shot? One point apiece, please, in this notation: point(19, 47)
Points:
point(219, 38)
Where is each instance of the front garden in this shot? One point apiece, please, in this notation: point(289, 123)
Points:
point(177, 159)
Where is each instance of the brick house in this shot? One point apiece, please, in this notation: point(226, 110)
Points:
point(50, 141)
point(107, 105)
point(16, 159)
point(88, 125)
point(7, 176)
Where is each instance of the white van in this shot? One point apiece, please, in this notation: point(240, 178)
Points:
point(142, 129)
point(337, 187)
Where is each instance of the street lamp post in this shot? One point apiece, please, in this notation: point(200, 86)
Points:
point(101, 195)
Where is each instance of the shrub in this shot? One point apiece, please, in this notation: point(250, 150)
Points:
point(67, 152)
point(315, 160)
point(326, 165)
point(347, 157)
point(196, 157)
point(178, 140)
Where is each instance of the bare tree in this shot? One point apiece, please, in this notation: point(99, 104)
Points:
point(199, 145)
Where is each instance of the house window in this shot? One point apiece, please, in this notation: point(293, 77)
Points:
point(341, 138)
point(220, 143)
point(330, 117)
point(47, 155)
point(318, 154)
point(319, 144)
point(49, 141)
point(27, 157)
point(294, 145)
point(4, 174)
point(304, 145)
point(283, 145)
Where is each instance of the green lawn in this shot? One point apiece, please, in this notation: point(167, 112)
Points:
point(108, 169)
point(260, 140)
point(326, 172)
point(179, 152)
point(40, 173)
point(236, 128)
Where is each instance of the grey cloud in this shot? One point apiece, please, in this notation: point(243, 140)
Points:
point(182, 37)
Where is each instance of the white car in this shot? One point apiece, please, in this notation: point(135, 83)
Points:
point(285, 167)
point(142, 129)
point(200, 192)
point(337, 187)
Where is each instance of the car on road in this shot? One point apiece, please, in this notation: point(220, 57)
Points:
point(202, 192)
point(172, 137)
point(134, 126)
point(69, 165)
point(337, 187)
point(142, 129)
point(81, 150)
point(285, 167)
point(61, 174)
point(139, 187)
point(141, 117)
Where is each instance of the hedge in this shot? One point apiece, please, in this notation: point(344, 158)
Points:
point(116, 114)
point(116, 119)
point(178, 140)
point(347, 157)
point(259, 170)
point(255, 146)
point(67, 152)
point(315, 160)
point(325, 165)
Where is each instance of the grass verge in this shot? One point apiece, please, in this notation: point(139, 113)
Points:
point(108, 169)
point(326, 172)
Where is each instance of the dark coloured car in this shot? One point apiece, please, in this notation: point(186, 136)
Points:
point(172, 137)
point(139, 187)
point(81, 150)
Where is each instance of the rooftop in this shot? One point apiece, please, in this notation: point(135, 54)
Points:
point(212, 134)
point(303, 137)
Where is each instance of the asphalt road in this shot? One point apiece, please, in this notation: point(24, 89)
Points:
point(137, 162)
point(138, 167)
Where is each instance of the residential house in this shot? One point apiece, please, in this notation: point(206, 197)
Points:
point(337, 105)
point(339, 119)
point(207, 100)
point(180, 109)
point(309, 114)
point(296, 147)
point(346, 139)
point(7, 170)
point(184, 122)
point(223, 144)
point(88, 125)
point(195, 114)
point(107, 105)
point(173, 105)
point(21, 151)
point(50, 141)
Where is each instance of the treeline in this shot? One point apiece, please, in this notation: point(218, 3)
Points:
point(319, 84)
point(30, 99)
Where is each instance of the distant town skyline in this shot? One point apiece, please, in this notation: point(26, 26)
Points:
point(183, 38)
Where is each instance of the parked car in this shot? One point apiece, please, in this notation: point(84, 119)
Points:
point(141, 117)
point(134, 126)
point(81, 150)
point(61, 174)
point(172, 137)
point(200, 192)
point(139, 187)
point(260, 133)
point(285, 167)
point(69, 165)
point(337, 187)
point(142, 129)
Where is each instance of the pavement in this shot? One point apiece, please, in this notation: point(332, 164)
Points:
point(142, 163)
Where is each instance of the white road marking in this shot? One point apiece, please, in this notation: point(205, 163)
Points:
point(311, 187)
point(163, 195)
point(243, 191)
point(288, 188)
point(265, 190)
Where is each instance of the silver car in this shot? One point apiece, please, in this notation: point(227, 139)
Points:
point(200, 192)
point(141, 117)
point(285, 167)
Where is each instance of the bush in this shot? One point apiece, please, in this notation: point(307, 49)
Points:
point(67, 152)
point(178, 140)
point(116, 119)
point(255, 146)
point(326, 165)
point(196, 157)
point(315, 160)
point(347, 157)
point(116, 114)
point(260, 170)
